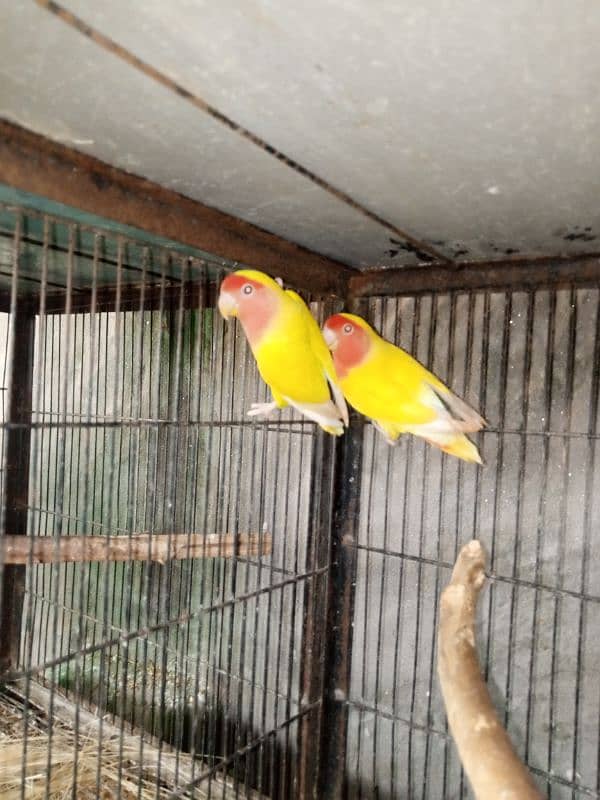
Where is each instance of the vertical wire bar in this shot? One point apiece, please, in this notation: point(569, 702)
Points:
point(281, 635)
point(59, 485)
point(522, 458)
point(184, 403)
point(163, 600)
point(85, 568)
point(498, 484)
point(424, 497)
point(17, 444)
point(399, 627)
point(587, 535)
point(106, 605)
point(561, 555)
point(238, 722)
point(172, 493)
point(340, 615)
point(229, 566)
point(267, 643)
point(484, 373)
point(204, 317)
point(314, 604)
point(262, 482)
point(208, 354)
point(144, 322)
point(36, 462)
point(303, 775)
point(148, 568)
point(367, 584)
point(548, 381)
point(209, 743)
point(218, 727)
point(138, 327)
point(386, 312)
point(450, 380)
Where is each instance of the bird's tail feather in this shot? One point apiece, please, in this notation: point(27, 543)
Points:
point(457, 445)
point(454, 410)
point(327, 415)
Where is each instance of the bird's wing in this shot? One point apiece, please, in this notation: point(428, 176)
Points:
point(321, 351)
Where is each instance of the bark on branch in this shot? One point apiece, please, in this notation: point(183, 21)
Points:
point(488, 757)
point(161, 547)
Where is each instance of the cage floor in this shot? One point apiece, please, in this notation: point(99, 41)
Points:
point(51, 749)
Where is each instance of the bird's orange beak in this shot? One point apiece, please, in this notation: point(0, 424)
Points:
point(227, 304)
point(330, 336)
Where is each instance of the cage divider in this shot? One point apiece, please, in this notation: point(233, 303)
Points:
point(340, 608)
point(16, 484)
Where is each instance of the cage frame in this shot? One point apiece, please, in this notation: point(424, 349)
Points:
point(32, 164)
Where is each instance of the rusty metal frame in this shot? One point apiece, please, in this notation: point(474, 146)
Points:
point(16, 485)
point(34, 164)
point(340, 616)
point(539, 273)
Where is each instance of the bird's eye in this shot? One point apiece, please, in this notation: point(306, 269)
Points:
point(347, 328)
point(247, 289)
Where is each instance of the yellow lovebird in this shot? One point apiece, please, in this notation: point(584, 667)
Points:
point(397, 393)
point(290, 352)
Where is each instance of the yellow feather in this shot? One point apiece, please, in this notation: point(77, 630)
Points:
point(401, 396)
point(285, 356)
point(294, 361)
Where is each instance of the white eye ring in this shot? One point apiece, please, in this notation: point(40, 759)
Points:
point(348, 328)
point(247, 289)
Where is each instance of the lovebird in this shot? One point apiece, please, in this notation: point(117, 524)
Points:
point(395, 391)
point(290, 352)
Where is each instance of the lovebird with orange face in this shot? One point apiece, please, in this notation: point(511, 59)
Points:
point(290, 352)
point(395, 391)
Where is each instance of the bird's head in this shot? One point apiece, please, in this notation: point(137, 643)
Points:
point(349, 339)
point(251, 296)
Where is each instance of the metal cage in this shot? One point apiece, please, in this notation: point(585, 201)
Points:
point(282, 641)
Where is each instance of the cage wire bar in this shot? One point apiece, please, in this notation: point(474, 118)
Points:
point(529, 361)
point(135, 417)
point(300, 661)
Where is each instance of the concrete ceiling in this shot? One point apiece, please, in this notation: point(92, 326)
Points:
point(472, 126)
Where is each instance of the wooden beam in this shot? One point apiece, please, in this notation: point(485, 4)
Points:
point(160, 547)
point(32, 163)
point(541, 273)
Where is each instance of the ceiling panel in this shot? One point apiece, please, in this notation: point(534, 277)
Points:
point(471, 125)
point(57, 82)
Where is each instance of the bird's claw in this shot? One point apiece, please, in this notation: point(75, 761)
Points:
point(261, 409)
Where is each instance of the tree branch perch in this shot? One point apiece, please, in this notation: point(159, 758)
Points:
point(492, 765)
point(161, 547)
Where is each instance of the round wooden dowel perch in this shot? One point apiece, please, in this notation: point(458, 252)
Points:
point(488, 757)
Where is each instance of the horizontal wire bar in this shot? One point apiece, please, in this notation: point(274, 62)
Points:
point(127, 422)
point(304, 711)
point(181, 619)
point(307, 428)
point(551, 777)
point(188, 659)
point(492, 576)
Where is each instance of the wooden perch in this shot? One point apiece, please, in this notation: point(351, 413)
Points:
point(161, 547)
point(488, 757)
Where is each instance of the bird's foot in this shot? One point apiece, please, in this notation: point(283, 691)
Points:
point(262, 409)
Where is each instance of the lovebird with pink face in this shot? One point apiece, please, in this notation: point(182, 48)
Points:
point(290, 352)
point(395, 391)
